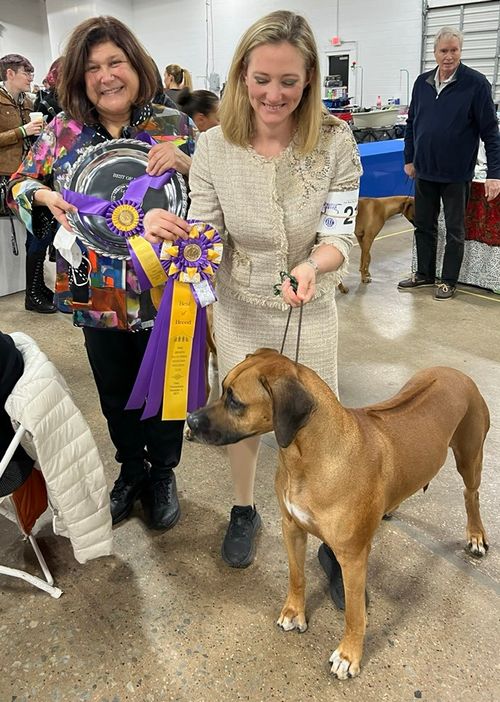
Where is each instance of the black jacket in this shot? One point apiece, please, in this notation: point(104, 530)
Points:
point(443, 131)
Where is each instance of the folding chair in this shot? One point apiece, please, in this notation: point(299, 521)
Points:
point(15, 477)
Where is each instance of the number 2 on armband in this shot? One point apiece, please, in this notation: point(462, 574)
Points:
point(349, 211)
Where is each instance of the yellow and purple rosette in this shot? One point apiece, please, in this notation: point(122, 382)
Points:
point(172, 373)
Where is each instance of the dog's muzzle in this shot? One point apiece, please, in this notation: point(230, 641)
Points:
point(202, 429)
point(205, 430)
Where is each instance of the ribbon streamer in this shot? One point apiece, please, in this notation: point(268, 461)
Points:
point(173, 365)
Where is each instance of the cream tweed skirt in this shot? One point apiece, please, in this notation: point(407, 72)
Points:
point(240, 328)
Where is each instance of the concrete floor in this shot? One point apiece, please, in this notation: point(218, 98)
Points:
point(165, 619)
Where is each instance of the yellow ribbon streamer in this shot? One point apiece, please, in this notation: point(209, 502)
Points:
point(180, 344)
point(148, 260)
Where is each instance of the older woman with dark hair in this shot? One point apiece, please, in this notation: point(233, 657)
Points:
point(105, 88)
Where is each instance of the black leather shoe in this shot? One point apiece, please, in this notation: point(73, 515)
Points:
point(160, 502)
point(415, 281)
point(238, 547)
point(333, 571)
point(122, 498)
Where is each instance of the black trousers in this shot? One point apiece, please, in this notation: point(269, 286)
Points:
point(428, 196)
point(115, 357)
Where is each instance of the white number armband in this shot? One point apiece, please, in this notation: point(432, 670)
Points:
point(338, 214)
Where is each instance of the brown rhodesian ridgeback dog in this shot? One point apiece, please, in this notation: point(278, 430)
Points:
point(340, 470)
point(373, 213)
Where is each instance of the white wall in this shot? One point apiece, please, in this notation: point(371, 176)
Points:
point(382, 36)
point(25, 32)
point(388, 35)
point(63, 16)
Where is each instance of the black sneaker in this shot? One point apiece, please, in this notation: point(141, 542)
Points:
point(444, 291)
point(333, 571)
point(415, 281)
point(122, 498)
point(160, 502)
point(238, 547)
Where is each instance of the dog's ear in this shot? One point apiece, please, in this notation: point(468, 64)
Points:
point(292, 407)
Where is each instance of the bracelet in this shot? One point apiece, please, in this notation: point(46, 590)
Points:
point(23, 132)
point(312, 263)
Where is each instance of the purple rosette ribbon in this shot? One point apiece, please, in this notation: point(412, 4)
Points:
point(173, 366)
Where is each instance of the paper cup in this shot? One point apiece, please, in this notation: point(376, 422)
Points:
point(36, 116)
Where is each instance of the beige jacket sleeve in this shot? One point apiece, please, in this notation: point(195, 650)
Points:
point(205, 204)
point(346, 178)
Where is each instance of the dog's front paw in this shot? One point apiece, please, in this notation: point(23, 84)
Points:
point(477, 545)
point(343, 666)
point(366, 278)
point(291, 619)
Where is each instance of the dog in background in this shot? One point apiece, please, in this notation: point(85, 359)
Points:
point(341, 469)
point(373, 213)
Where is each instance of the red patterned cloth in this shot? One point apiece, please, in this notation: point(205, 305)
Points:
point(482, 218)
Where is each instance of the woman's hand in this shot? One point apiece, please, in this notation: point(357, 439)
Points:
point(306, 278)
point(161, 225)
point(166, 155)
point(56, 204)
point(33, 128)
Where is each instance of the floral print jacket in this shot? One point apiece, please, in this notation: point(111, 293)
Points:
point(104, 292)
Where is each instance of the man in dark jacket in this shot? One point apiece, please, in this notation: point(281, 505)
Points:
point(451, 109)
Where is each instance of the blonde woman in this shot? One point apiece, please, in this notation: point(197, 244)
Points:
point(176, 78)
point(279, 179)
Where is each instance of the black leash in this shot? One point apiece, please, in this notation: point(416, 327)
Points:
point(277, 291)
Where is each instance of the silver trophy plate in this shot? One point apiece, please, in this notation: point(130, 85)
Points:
point(105, 171)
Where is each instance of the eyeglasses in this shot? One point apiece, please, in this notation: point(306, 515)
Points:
point(27, 73)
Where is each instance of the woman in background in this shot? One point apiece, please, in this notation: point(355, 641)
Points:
point(202, 106)
point(176, 78)
point(46, 100)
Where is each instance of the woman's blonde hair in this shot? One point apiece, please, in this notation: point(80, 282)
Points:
point(236, 112)
point(181, 76)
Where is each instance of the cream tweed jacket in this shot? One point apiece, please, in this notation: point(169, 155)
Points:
point(267, 210)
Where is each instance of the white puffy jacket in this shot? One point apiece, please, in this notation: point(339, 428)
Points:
point(60, 440)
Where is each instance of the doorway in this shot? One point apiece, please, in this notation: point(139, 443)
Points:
point(339, 64)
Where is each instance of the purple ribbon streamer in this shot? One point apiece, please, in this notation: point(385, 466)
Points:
point(138, 187)
point(197, 390)
point(87, 204)
point(148, 387)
